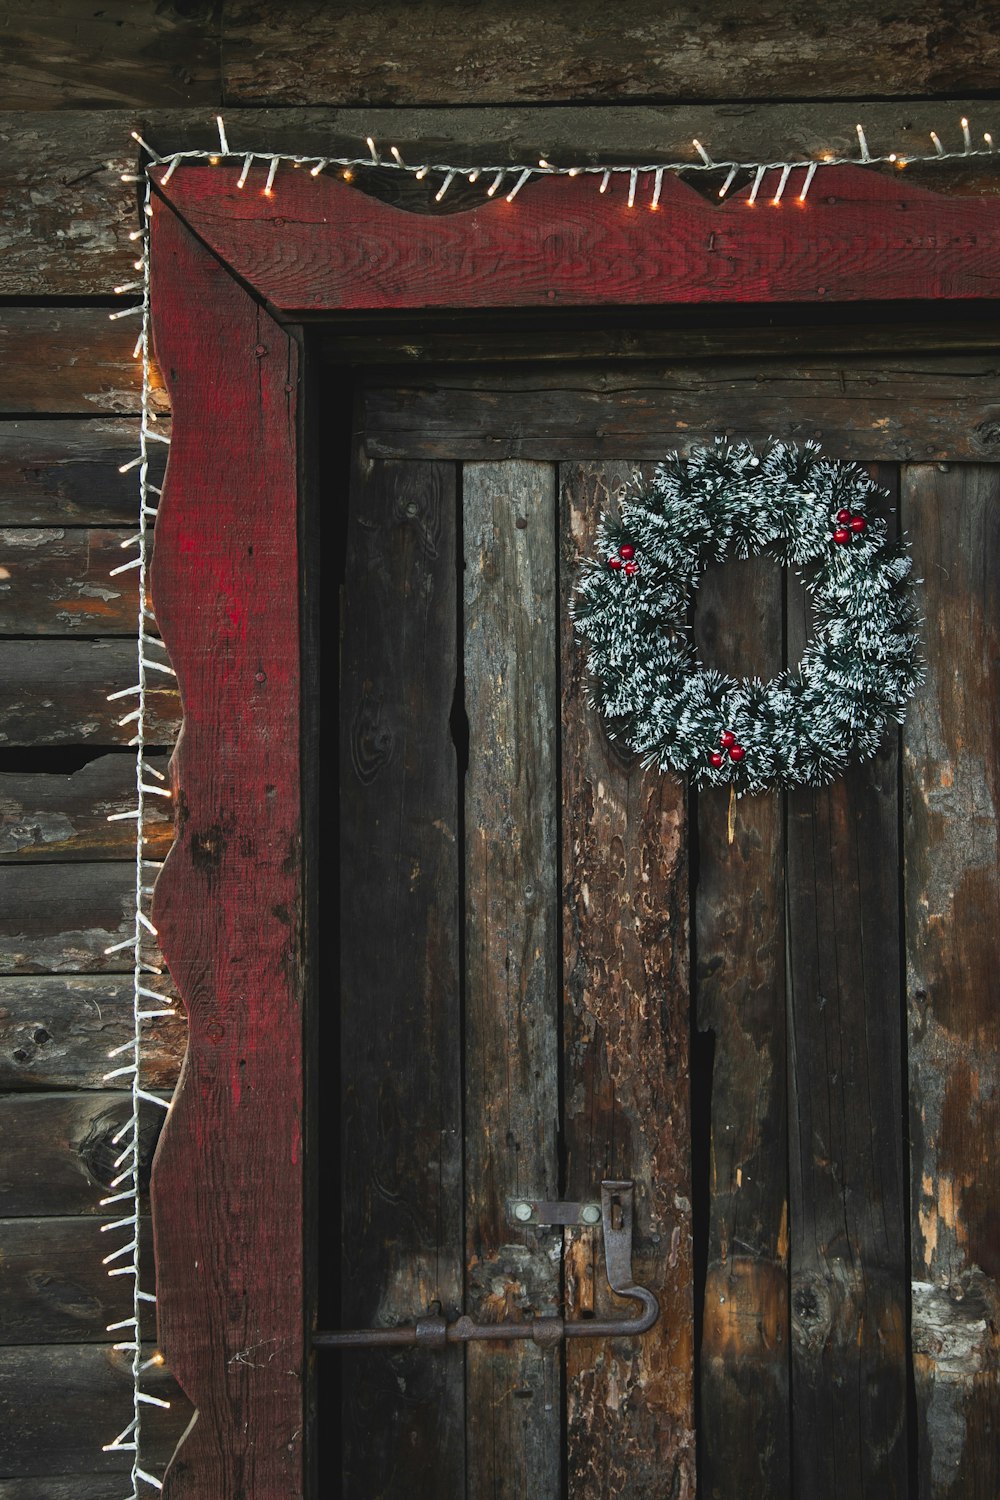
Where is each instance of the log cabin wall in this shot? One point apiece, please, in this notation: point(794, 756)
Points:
point(583, 77)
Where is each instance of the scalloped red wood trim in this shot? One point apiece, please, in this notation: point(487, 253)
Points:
point(227, 1184)
point(316, 243)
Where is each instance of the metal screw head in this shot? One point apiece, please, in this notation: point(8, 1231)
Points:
point(590, 1213)
point(522, 1211)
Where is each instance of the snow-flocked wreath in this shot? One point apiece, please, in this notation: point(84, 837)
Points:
point(634, 598)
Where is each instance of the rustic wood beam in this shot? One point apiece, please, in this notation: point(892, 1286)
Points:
point(65, 215)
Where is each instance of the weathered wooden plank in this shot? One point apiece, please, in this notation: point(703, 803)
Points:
point(54, 1287)
point(66, 473)
point(952, 794)
point(229, 900)
point(59, 919)
point(70, 360)
point(58, 1151)
point(56, 1032)
point(858, 406)
point(666, 335)
point(286, 54)
point(65, 216)
point(59, 1487)
point(400, 1015)
point(862, 237)
point(625, 1050)
point(57, 56)
point(741, 1014)
point(58, 1401)
point(55, 581)
point(511, 1063)
point(46, 817)
point(56, 693)
point(847, 1194)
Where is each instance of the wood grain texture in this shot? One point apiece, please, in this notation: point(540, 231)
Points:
point(54, 1287)
point(305, 52)
point(400, 1004)
point(625, 1051)
point(65, 473)
point(511, 930)
point(228, 900)
point(952, 794)
point(740, 943)
point(847, 1192)
point(59, 56)
point(861, 236)
point(56, 693)
point(46, 817)
point(58, 1151)
point(65, 215)
point(42, 372)
point(57, 1401)
point(56, 1032)
point(857, 406)
point(666, 335)
point(56, 582)
point(60, 918)
point(79, 1486)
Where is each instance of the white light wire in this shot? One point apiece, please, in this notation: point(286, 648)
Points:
point(127, 1180)
point(523, 172)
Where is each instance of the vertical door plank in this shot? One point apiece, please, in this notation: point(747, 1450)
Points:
point(952, 798)
point(626, 1042)
point(744, 1354)
point(512, 1091)
point(847, 1190)
point(400, 1024)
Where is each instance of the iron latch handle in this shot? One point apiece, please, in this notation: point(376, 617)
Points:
point(436, 1332)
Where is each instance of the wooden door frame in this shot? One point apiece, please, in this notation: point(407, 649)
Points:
point(232, 269)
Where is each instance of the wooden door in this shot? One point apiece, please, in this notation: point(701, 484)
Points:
point(518, 942)
point(559, 967)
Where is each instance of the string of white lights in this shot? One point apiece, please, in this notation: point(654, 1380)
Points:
point(518, 174)
point(147, 1003)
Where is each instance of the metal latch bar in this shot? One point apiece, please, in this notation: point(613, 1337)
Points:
point(436, 1332)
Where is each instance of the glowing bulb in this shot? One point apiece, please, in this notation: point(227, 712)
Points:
point(213, 161)
point(724, 189)
point(348, 175)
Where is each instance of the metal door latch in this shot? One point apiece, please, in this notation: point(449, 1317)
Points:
point(617, 1213)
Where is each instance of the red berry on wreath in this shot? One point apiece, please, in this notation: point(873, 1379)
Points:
point(627, 552)
point(843, 516)
point(727, 738)
point(858, 524)
point(615, 563)
point(631, 567)
point(715, 759)
point(736, 752)
point(841, 535)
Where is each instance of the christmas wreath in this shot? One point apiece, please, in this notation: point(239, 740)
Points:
point(633, 603)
